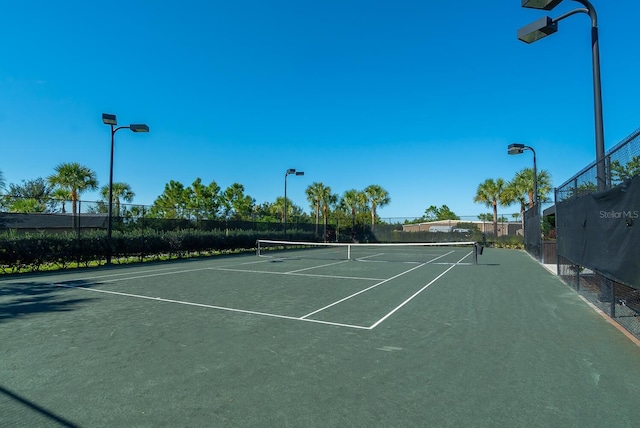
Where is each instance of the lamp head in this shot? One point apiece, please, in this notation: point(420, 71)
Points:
point(109, 119)
point(299, 172)
point(541, 4)
point(515, 149)
point(537, 30)
point(140, 127)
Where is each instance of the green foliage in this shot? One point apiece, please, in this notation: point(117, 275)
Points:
point(507, 241)
point(35, 252)
point(434, 213)
point(620, 173)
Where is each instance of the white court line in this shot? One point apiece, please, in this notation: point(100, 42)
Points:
point(296, 274)
point(202, 305)
point(361, 291)
point(416, 293)
point(380, 283)
point(316, 267)
point(303, 318)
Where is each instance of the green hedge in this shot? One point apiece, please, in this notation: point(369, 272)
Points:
point(35, 252)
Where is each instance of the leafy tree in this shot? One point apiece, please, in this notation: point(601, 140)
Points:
point(76, 179)
point(492, 193)
point(377, 197)
point(172, 203)
point(203, 202)
point(276, 209)
point(29, 197)
point(237, 205)
point(27, 206)
point(620, 173)
point(315, 193)
point(121, 191)
point(434, 213)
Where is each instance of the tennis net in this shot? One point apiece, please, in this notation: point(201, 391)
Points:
point(444, 252)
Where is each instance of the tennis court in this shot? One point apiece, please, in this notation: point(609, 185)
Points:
point(387, 337)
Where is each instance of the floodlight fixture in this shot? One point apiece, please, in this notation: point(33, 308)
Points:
point(109, 119)
point(139, 127)
point(537, 30)
point(299, 172)
point(541, 4)
point(515, 149)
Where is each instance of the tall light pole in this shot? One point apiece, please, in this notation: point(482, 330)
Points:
point(284, 213)
point(516, 149)
point(546, 26)
point(110, 119)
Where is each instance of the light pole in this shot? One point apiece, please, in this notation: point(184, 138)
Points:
point(516, 149)
point(546, 26)
point(110, 119)
point(284, 214)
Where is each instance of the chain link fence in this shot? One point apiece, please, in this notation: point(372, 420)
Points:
point(597, 235)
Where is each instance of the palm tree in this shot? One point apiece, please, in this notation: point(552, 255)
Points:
point(120, 191)
point(61, 195)
point(328, 199)
point(516, 191)
point(75, 178)
point(1, 181)
point(525, 178)
point(315, 193)
point(377, 197)
point(491, 193)
point(350, 202)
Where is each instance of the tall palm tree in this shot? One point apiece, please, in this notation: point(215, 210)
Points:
point(377, 197)
point(62, 196)
point(315, 193)
point(492, 193)
point(76, 179)
point(328, 199)
point(121, 191)
point(350, 202)
point(1, 181)
point(525, 176)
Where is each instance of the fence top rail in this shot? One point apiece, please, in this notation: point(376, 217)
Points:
point(628, 140)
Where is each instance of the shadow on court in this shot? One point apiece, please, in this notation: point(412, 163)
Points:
point(22, 299)
point(26, 412)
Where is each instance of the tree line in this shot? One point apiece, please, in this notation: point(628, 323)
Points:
point(197, 201)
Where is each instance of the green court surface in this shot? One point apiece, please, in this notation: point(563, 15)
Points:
point(252, 341)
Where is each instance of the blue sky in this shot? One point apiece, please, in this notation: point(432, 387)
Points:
point(420, 97)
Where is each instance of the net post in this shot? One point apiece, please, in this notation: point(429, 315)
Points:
point(258, 247)
point(475, 253)
point(348, 251)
